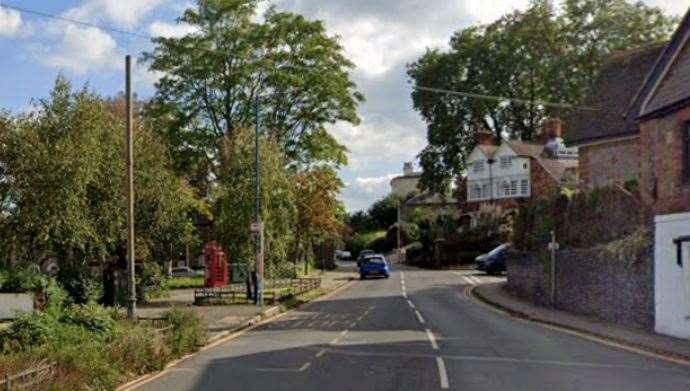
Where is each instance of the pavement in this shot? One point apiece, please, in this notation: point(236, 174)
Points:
point(417, 330)
point(222, 320)
point(496, 294)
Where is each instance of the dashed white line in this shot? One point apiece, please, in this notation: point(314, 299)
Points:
point(419, 317)
point(343, 333)
point(467, 280)
point(402, 275)
point(411, 304)
point(430, 335)
point(404, 294)
point(475, 279)
point(335, 341)
point(320, 353)
point(443, 375)
point(353, 324)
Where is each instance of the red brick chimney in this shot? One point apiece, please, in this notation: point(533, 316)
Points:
point(553, 128)
point(484, 137)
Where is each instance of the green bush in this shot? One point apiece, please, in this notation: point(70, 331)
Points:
point(92, 317)
point(187, 332)
point(81, 286)
point(21, 279)
point(192, 282)
point(28, 330)
point(151, 282)
point(409, 233)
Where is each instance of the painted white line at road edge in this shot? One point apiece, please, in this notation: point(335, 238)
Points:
point(430, 335)
point(419, 317)
point(443, 375)
point(411, 304)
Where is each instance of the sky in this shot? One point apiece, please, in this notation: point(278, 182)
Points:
point(380, 36)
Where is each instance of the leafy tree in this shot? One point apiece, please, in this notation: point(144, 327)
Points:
point(318, 209)
point(64, 176)
point(384, 212)
point(234, 199)
point(213, 76)
point(534, 55)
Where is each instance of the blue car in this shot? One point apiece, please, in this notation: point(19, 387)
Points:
point(374, 265)
point(494, 261)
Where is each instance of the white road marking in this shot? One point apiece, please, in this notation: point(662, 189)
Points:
point(359, 319)
point(476, 279)
point(335, 341)
point(411, 304)
point(404, 294)
point(305, 366)
point(353, 324)
point(467, 280)
point(443, 375)
point(402, 275)
point(343, 333)
point(320, 353)
point(419, 317)
point(430, 335)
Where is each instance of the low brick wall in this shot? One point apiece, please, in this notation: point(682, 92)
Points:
point(589, 282)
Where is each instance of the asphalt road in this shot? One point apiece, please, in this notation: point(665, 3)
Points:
point(414, 331)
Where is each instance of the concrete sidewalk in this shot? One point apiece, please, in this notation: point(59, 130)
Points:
point(225, 319)
point(496, 295)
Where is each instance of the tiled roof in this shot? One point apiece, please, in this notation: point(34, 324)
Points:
point(431, 199)
point(615, 96)
point(671, 80)
point(557, 168)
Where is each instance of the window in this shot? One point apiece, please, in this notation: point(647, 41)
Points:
point(524, 187)
point(476, 192)
point(513, 187)
point(478, 166)
point(506, 161)
point(485, 190)
point(686, 153)
point(505, 188)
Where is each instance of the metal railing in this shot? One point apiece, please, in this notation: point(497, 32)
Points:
point(275, 290)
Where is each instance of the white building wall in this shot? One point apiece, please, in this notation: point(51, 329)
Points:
point(402, 186)
point(672, 281)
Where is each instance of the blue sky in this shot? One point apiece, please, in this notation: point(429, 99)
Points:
point(379, 36)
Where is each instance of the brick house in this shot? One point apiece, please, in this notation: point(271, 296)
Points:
point(606, 132)
point(664, 119)
point(514, 170)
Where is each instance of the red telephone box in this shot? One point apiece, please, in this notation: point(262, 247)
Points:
point(216, 263)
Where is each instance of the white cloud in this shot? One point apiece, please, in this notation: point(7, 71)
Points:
point(83, 49)
point(171, 30)
point(10, 22)
point(374, 185)
point(121, 12)
point(674, 7)
point(488, 11)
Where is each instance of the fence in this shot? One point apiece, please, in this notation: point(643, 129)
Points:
point(31, 378)
point(274, 291)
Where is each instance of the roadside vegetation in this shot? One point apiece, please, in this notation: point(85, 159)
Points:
point(94, 347)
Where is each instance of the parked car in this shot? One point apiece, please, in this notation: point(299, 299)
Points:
point(343, 255)
point(374, 265)
point(363, 254)
point(494, 261)
point(185, 271)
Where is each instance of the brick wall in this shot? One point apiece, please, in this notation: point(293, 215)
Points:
point(661, 179)
point(616, 161)
point(543, 184)
point(589, 282)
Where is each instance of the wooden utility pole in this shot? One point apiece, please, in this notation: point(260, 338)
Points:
point(132, 300)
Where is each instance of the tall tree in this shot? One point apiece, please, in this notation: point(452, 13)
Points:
point(212, 77)
point(234, 199)
point(64, 178)
point(537, 55)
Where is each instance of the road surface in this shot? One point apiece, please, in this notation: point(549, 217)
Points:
point(416, 330)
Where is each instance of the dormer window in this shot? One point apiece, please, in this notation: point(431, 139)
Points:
point(506, 161)
point(686, 153)
point(478, 166)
